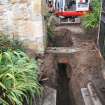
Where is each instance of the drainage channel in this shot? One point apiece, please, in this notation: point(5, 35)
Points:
point(64, 92)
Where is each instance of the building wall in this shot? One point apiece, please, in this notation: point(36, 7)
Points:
point(23, 19)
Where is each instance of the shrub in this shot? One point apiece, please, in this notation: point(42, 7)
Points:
point(9, 43)
point(91, 20)
point(18, 73)
point(18, 78)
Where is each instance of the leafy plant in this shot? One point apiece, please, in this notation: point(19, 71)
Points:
point(9, 43)
point(18, 78)
point(50, 32)
point(50, 28)
point(91, 20)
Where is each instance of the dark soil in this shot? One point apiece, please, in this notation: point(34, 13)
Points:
point(61, 38)
point(64, 94)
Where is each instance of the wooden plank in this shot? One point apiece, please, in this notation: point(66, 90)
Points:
point(86, 96)
point(94, 96)
point(62, 50)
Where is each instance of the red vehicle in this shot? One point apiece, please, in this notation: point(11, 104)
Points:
point(71, 8)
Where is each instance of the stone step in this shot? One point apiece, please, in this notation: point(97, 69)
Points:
point(49, 96)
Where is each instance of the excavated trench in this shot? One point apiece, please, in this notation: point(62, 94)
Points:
point(63, 38)
point(82, 63)
point(64, 91)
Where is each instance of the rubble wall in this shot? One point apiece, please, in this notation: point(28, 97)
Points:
point(23, 19)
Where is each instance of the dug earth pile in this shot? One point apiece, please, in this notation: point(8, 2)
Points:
point(69, 72)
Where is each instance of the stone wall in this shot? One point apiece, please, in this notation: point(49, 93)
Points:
point(23, 19)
